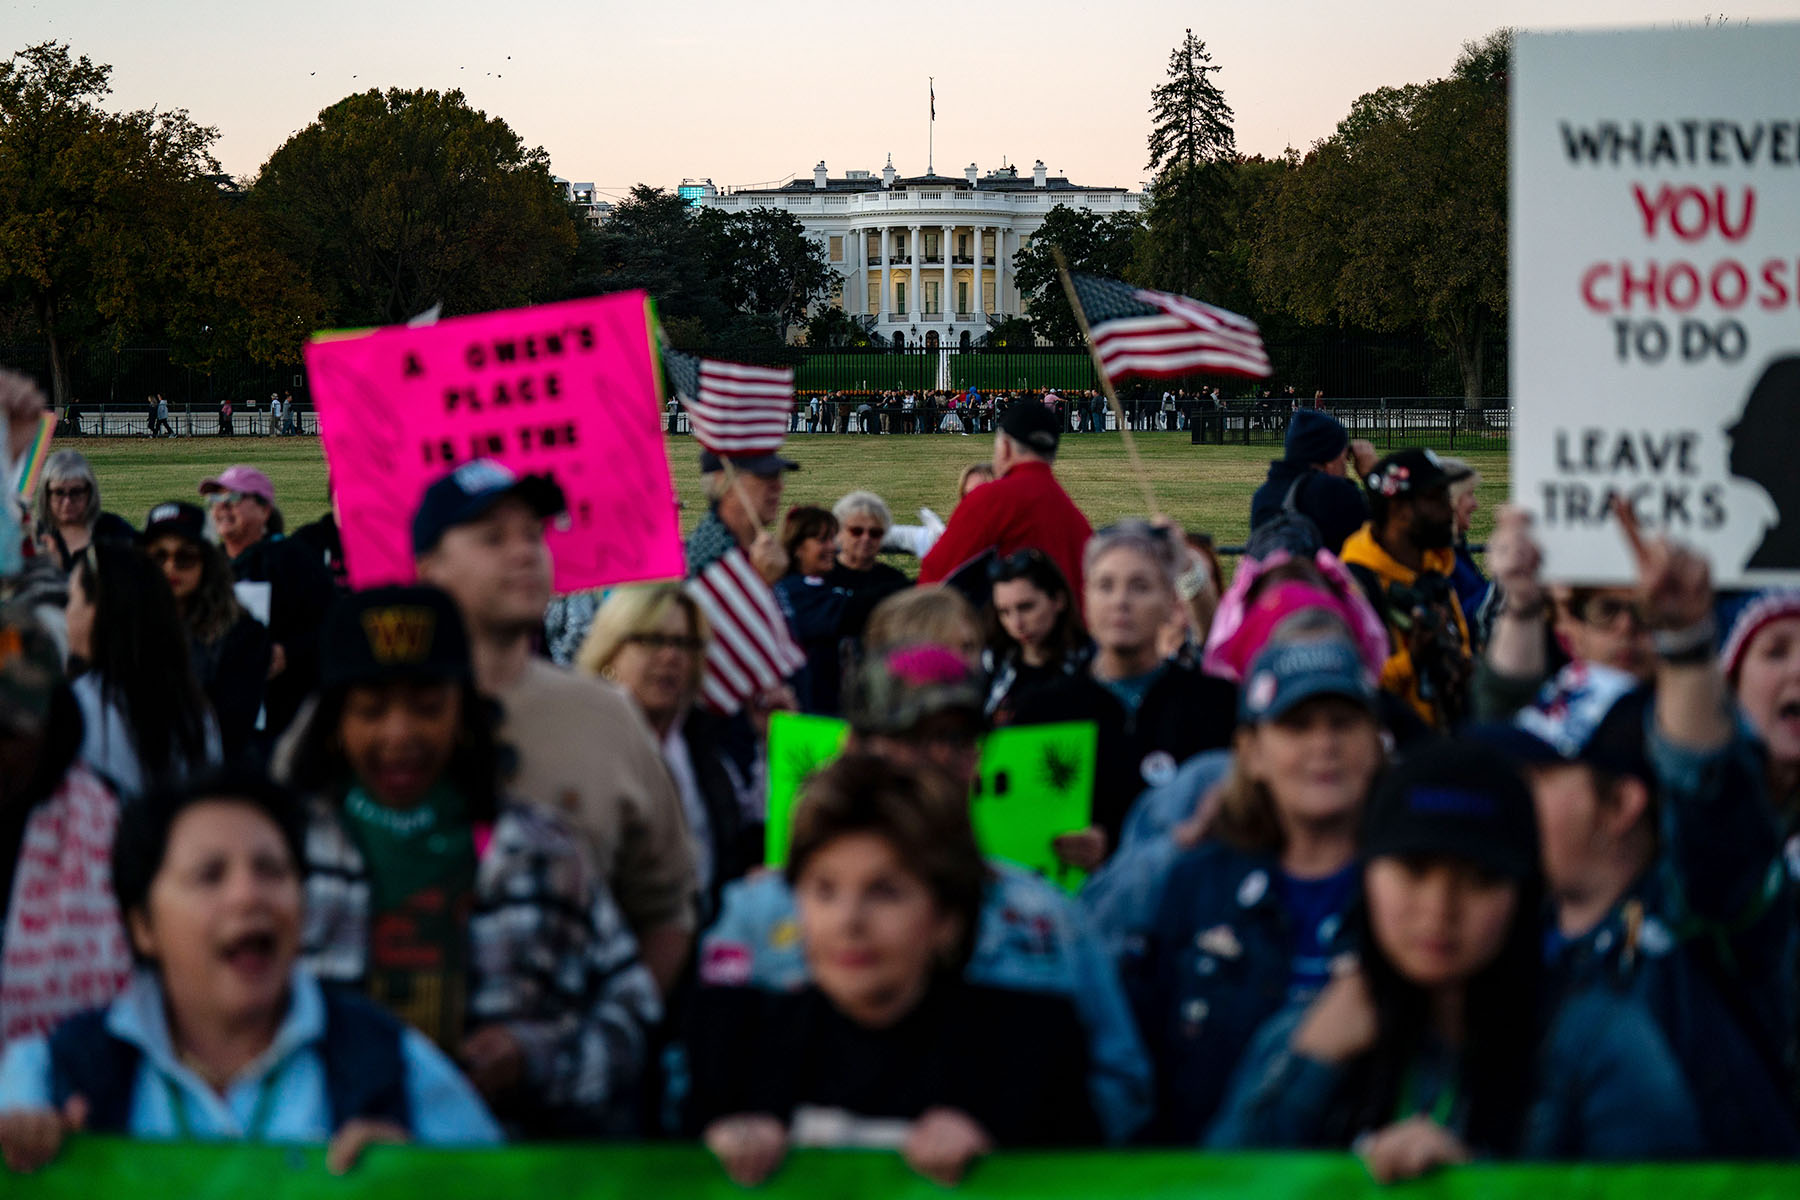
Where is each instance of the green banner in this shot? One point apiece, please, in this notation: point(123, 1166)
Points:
point(106, 1168)
point(1034, 783)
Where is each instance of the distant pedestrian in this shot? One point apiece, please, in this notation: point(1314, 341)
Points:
point(225, 417)
point(161, 427)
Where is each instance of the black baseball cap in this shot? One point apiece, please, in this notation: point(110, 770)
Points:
point(177, 517)
point(1456, 798)
point(749, 464)
point(1408, 472)
point(387, 633)
point(471, 491)
point(1587, 714)
point(1033, 425)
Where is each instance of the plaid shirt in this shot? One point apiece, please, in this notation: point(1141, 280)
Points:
point(550, 958)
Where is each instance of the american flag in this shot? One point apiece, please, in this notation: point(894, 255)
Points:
point(751, 649)
point(734, 409)
point(1136, 331)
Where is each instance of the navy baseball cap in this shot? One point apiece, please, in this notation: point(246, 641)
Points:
point(1033, 425)
point(387, 633)
point(749, 464)
point(1456, 798)
point(1289, 673)
point(1588, 714)
point(471, 491)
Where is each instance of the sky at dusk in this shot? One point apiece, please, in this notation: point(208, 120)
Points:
point(757, 91)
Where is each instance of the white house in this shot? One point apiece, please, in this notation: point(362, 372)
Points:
point(928, 257)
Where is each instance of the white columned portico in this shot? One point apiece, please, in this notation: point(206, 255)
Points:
point(915, 250)
point(887, 281)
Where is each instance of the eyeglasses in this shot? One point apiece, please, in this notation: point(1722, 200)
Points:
point(1606, 610)
point(80, 491)
point(858, 531)
point(653, 642)
point(185, 557)
point(1003, 570)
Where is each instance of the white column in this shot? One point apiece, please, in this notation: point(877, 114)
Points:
point(947, 304)
point(887, 278)
point(1000, 308)
point(975, 302)
point(914, 247)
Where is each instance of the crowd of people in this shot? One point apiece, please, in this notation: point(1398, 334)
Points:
point(1387, 853)
point(1078, 410)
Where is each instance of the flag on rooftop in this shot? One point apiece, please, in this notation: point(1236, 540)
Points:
point(734, 409)
point(1136, 331)
point(751, 649)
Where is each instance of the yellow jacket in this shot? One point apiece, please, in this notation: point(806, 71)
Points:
point(1397, 676)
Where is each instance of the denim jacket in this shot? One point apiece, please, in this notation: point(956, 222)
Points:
point(1608, 1088)
point(1213, 968)
point(1704, 942)
point(1032, 938)
point(1121, 898)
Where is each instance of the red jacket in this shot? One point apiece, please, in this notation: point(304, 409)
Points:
point(1024, 508)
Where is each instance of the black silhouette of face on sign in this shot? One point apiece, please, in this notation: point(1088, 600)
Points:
point(1765, 449)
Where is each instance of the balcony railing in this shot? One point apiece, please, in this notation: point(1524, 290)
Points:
point(963, 260)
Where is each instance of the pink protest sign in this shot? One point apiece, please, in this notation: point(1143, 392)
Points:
point(567, 390)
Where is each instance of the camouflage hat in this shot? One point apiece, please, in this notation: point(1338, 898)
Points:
point(893, 691)
point(30, 669)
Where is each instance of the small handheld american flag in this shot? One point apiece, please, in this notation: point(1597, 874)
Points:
point(1136, 331)
point(751, 649)
point(734, 409)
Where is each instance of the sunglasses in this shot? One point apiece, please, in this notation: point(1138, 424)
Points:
point(653, 642)
point(857, 531)
point(186, 557)
point(1003, 570)
point(80, 491)
point(217, 499)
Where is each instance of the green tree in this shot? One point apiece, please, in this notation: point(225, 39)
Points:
point(1010, 331)
point(765, 266)
point(112, 226)
point(1192, 153)
point(393, 202)
point(648, 241)
point(1095, 244)
point(1398, 220)
point(831, 326)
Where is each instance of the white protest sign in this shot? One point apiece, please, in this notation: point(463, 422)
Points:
point(1655, 228)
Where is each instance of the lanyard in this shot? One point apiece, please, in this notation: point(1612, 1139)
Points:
point(260, 1113)
point(1441, 1109)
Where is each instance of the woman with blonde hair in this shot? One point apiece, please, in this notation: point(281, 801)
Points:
point(1251, 920)
point(938, 615)
point(651, 640)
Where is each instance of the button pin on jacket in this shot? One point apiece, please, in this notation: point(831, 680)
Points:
point(1221, 941)
point(1253, 889)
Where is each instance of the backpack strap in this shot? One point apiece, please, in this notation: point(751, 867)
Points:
point(1291, 502)
point(365, 1068)
point(88, 1060)
point(1374, 588)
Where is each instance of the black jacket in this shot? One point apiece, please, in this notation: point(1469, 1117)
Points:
point(234, 674)
point(1336, 505)
point(1183, 713)
point(299, 593)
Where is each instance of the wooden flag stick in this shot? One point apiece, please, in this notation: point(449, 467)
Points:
point(1154, 510)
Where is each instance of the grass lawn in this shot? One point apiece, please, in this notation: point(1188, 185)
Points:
point(1206, 488)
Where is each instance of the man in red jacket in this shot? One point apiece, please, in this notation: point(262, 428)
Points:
point(1023, 508)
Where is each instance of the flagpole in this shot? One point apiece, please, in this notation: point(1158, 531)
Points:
point(931, 128)
point(1106, 385)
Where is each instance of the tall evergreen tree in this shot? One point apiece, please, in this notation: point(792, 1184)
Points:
point(1192, 151)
